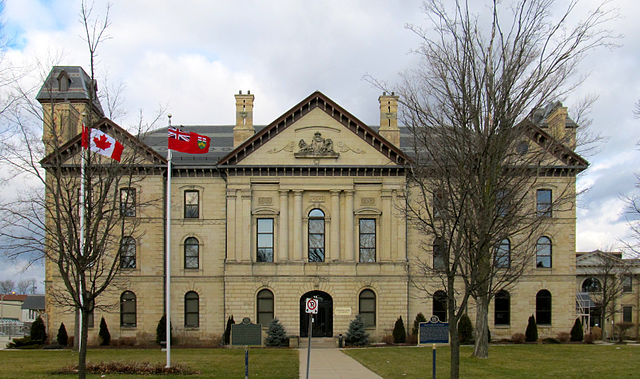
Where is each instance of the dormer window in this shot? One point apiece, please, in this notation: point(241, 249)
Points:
point(63, 81)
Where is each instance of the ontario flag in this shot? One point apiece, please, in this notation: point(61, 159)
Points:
point(102, 143)
point(188, 142)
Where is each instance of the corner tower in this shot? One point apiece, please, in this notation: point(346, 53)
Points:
point(67, 94)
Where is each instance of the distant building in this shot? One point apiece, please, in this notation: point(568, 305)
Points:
point(309, 205)
point(599, 272)
point(11, 307)
point(32, 307)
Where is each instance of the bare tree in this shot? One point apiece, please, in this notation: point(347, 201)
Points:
point(7, 286)
point(45, 220)
point(27, 286)
point(468, 107)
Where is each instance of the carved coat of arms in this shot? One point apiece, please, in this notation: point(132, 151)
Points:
point(319, 147)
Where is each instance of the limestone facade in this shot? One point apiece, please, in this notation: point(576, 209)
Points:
point(311, 203)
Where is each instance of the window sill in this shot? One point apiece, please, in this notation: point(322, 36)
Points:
point(502, 326)
point(128, 326)
point(191, 328)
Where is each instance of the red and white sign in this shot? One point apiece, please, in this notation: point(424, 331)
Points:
point(311, 306)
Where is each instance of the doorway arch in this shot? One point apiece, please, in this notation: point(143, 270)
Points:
point(323, 321)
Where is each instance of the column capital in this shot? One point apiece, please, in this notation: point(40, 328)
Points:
point(297, 192)
point(283, 192)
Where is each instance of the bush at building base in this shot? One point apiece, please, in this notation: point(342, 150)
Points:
point(276, 335)
point(63, 337)
point(465, 330)
point(576, 332)
point(399, 332)
point(161, 331)
point(357, 335)
point(103, 335)
point(38, 333)
point(416, 324)
point(531, 335)
point(227, 330)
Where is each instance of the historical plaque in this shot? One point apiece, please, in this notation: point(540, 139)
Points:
point(434, 331)
point(246, 333)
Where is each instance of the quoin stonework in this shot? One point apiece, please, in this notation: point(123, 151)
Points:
point(309, 205)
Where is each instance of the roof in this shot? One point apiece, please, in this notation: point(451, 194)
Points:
point(33, 302)
point(11, 297)
point(79, 86)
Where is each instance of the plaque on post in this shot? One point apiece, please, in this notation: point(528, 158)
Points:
point(433, 331)
point(246, 333)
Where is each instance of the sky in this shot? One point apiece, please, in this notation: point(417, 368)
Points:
point(189, 58)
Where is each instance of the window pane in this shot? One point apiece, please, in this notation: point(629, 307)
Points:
point(316, 255)
point(627, 314)
point(265, 305)
point(367, 241)
point(367, 305)
point(367, 255)
point(367, 226)
point(265, 225)
point(316, 226)
point(265, 240)
point(316, 213)
point(627, 284)
point(369, 319)
point(191, 320)
point(191, 197)
point(543, 307)
point(316, 241)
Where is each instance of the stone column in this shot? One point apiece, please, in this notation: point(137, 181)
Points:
point(297, 226)
point(334, 253)
point(385, 228)
point(231, 225)
point(246, 231)
point(349, 228)
point(283, 237)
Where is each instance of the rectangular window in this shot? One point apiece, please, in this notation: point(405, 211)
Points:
point(627, 282)
point(191, 204)
point(128, 202)
point(627, 314)
point(439, 204)
point(543, 202)
point(265, 240)
point(367, 240)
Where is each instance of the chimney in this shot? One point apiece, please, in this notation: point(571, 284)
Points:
point(243, 129)
point(389, 118)
point(558, 127)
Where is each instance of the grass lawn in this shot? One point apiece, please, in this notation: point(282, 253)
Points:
point(212, 363)
point(509, 361)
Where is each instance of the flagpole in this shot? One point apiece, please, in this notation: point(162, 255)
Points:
point(82, 210)
point(168, 259)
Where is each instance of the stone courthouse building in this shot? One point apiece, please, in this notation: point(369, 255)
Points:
point(308, 205)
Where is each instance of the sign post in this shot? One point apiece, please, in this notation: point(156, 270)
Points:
point(311, 307)
point(433, 332)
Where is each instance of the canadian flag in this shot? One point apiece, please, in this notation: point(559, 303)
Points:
point(102, 143)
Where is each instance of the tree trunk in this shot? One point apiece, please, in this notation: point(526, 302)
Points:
point(76, 329)
point(454, 342)
point(481, 346)
point(82, 354)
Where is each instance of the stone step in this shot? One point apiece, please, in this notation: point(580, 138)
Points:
point(319, 342)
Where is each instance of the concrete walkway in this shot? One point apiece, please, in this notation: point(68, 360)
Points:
point(334, 364)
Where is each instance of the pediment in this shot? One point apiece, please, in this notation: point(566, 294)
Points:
point(316, 132)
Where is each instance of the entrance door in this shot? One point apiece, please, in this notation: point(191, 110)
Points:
point(323, 321)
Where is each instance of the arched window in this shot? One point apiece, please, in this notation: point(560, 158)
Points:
point(543, 252)
point(591, 285)
point(502, 308)
point(439, 248)
point(543, 307)
point(503, 254)
point(191, 252)
point(191, 310)
point(367, 308)
point(316, 235)
point(440, 305)
point(128, 309)
point(127, 252)
point(265, 307)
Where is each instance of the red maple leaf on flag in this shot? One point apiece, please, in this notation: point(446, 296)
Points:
point(102, 142)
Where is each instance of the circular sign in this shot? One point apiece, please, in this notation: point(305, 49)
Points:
point(311, 306)
point(434, 319)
